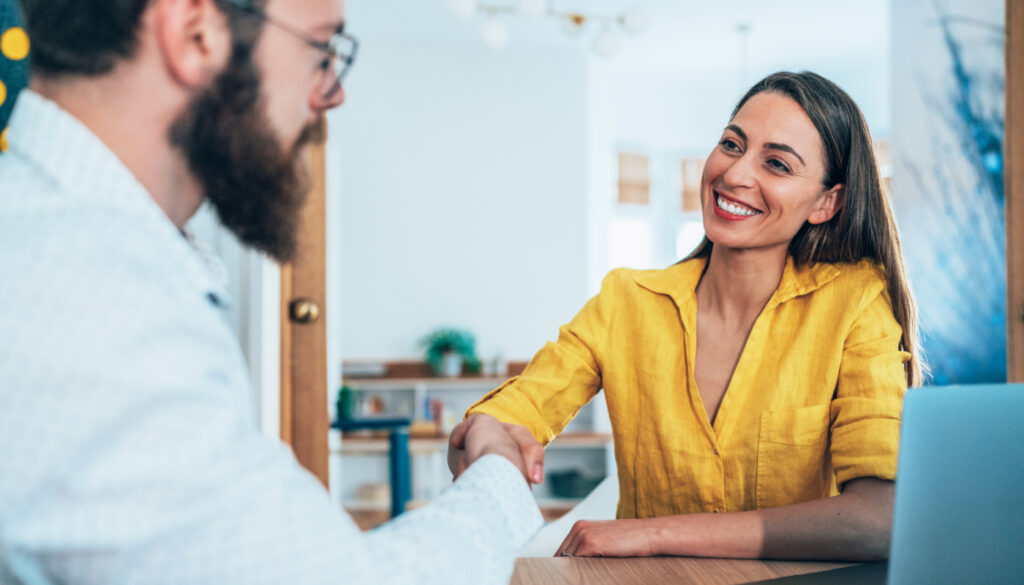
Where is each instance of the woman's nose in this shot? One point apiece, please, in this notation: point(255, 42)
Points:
point(740, 173)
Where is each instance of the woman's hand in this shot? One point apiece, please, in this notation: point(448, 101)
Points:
point(610, 538)
point(473, 438)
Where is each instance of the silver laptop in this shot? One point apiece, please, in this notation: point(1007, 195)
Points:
point(959, 515)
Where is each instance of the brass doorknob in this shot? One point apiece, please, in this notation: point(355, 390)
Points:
point(304, 310)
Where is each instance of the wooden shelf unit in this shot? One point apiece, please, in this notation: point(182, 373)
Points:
point(578, 447)
point(357, 444)
point(440, 384)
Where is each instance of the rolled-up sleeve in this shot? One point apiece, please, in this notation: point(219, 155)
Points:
point(563, 376)
point(865, 413)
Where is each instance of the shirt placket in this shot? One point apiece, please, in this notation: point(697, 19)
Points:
point(713, 485)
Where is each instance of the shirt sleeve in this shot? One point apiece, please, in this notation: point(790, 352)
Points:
point(563, 376)
point(188, 493)
point(869, 395)
point(137, 461)
point(469, 534)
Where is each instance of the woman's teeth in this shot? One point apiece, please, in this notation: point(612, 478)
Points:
point(734, 208)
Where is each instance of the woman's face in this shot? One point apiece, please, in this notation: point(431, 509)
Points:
point(765, 177)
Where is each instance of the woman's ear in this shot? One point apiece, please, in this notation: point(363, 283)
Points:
point(194, 39)
point(829, 204)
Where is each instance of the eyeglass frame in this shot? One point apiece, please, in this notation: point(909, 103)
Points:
point(328, 48)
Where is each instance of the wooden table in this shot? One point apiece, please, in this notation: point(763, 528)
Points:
point(656, 571)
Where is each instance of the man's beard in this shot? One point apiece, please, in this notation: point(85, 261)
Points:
point(255, 185)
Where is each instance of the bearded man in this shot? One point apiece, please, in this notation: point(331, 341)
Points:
point(129, 451)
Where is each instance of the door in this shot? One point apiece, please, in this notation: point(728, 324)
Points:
point(303, 406)
point(1015, 190)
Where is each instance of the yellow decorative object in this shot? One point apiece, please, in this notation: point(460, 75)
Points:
point(3, 92)
point(3, 140)
point(14, 43)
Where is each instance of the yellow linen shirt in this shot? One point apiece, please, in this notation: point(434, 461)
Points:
point(815, 399)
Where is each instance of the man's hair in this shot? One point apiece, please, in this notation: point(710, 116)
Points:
point(81, 37)
point(89, 37)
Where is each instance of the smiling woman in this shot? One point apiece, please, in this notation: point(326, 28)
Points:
point(840, 180)
point(754, 388)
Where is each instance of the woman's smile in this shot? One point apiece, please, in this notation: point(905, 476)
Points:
point(733, 210)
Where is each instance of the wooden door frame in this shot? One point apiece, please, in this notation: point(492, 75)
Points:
point(1014, 195)
point(304, 419)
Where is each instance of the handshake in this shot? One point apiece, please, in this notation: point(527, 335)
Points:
point(482, 434)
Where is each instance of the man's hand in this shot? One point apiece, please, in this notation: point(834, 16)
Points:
point(482, 434)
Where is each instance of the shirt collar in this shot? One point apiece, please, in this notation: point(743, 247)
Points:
point(68, 154)
point(679, 281)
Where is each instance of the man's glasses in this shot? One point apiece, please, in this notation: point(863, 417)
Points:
point(340, 52)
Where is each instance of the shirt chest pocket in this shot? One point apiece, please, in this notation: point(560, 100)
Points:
point(792, 456)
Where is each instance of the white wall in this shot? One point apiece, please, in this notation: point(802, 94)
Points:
point(475, 186)
point(461, 176)
point(675, 85)
point(676, 109)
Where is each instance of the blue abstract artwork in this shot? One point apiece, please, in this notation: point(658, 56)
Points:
point(949, 196)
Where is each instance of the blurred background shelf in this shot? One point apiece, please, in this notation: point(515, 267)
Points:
point(361, 444)
point(575, 460)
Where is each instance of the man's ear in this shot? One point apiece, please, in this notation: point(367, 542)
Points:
point(829, 204)
point(194, 39)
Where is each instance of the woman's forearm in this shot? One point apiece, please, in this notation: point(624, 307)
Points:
point(853, 526)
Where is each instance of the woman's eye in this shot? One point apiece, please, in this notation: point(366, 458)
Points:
point(729, 144)
point(325, 64)
point(778, 165)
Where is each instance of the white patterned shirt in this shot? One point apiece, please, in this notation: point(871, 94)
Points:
point(129, 450)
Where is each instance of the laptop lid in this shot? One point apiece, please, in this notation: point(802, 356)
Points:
point(959, 508)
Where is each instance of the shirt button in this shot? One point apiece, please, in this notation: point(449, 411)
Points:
point(715, 451)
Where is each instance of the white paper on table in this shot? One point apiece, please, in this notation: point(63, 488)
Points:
point(599, 505)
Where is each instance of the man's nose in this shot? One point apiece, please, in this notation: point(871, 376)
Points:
point(320, 103)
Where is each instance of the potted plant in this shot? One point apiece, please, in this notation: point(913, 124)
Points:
point(448, 349)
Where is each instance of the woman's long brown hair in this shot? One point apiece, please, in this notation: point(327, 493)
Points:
point(865, 226)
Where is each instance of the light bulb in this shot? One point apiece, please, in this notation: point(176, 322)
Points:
point(464, 9)
point(532, 8)
point(494, 33)
point(572, 24)
point(606, 42)
point(634, 20)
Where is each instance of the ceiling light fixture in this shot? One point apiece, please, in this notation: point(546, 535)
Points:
point(464, 9)
point(572, 24)
point(532, 8)
point(494, 32)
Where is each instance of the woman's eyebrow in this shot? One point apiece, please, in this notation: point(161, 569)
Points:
point(770, 145)
point(737, 130)
point(785, 148)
